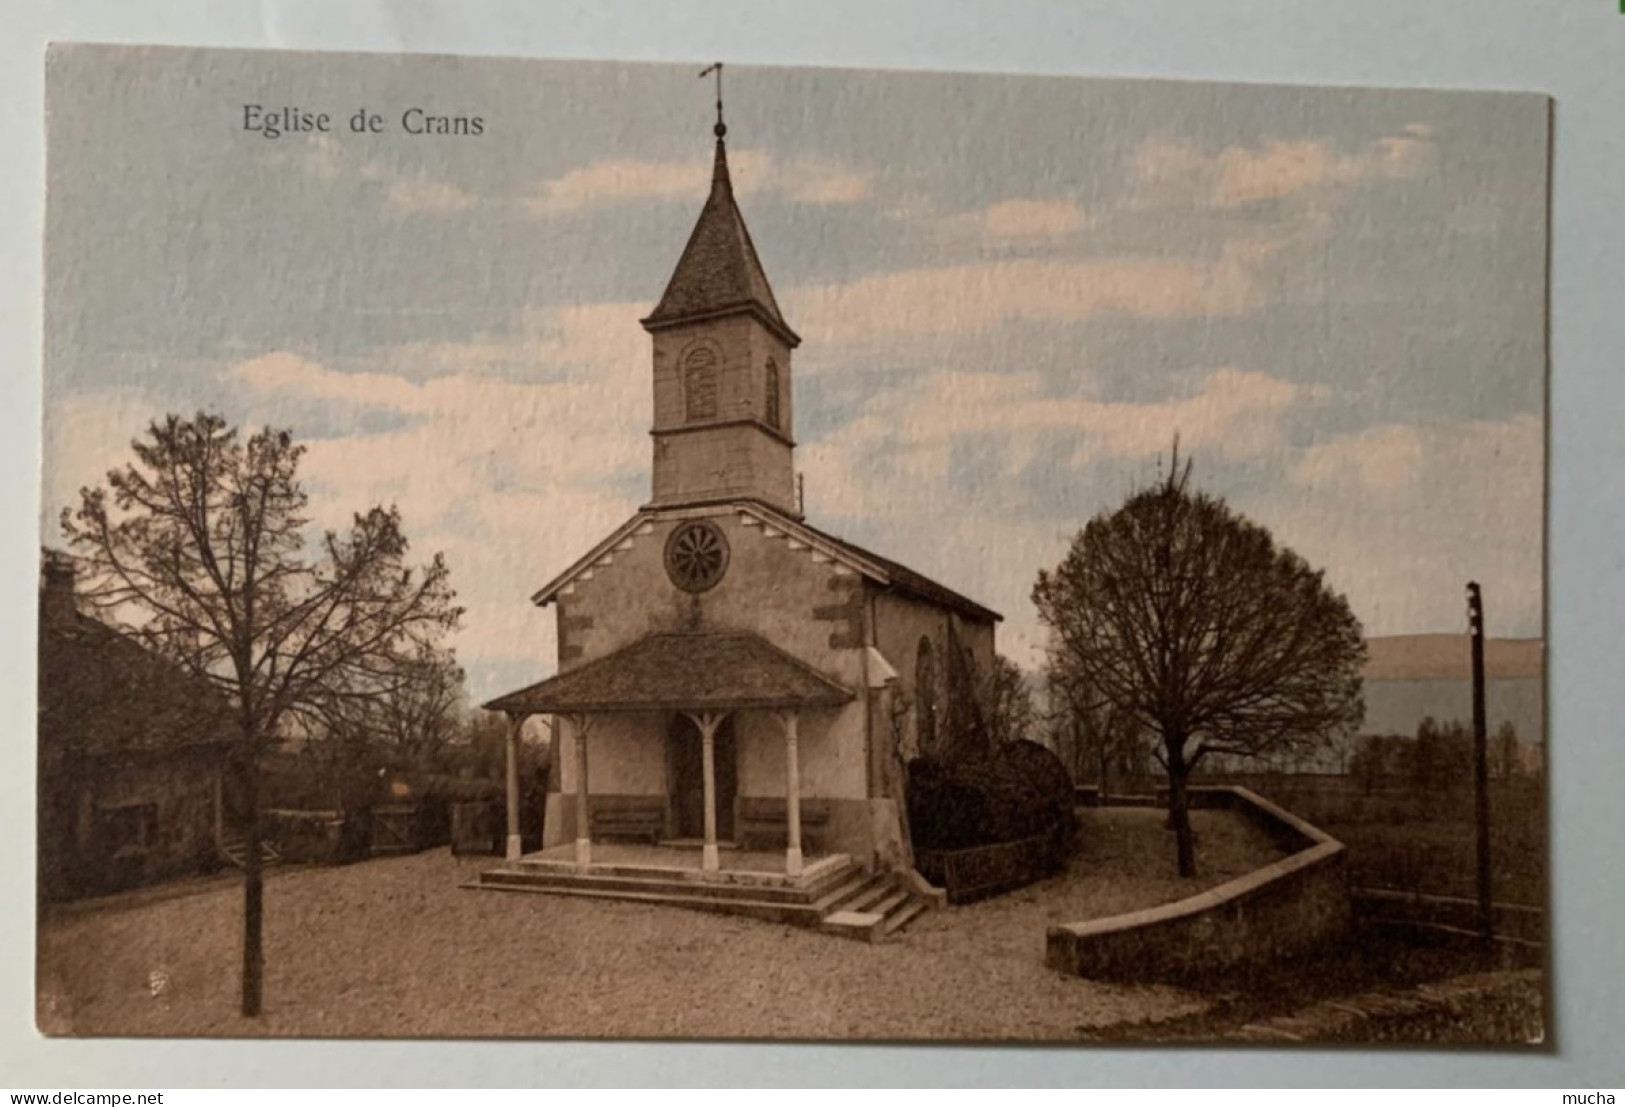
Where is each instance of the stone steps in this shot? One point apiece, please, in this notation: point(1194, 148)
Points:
point(634, 883)
point(837, 898)
point(796, 914)
point(877, 909)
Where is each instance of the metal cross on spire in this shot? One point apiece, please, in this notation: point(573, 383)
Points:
point(716, 67)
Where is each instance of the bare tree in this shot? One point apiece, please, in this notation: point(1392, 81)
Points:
point(198, 549)
point(1190, 620)
point(409, 706)
point(1102, 737)
point(1508, 757)
point(1010, 711)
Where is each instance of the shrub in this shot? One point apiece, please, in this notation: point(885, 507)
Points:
point(1018, 790)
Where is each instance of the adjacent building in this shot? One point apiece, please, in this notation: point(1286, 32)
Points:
point(131, 755)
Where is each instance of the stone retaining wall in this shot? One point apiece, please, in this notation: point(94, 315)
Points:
point(1287, 908)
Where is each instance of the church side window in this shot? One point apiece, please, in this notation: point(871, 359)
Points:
point(771, 407)
point(925, 698)
point(700, 384)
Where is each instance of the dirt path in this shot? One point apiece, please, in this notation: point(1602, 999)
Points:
point(394, 948)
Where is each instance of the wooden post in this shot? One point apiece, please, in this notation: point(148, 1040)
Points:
point(219, 812)
point(1481, 772)
point(709, 861)
point(583, 812)
point(708, 722)
point(792, 793)
point(253, 890)
point(516, 723)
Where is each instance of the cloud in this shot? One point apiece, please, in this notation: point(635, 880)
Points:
point(1019, 219)
point(973, 297)
point(1379, 460)
point(822, 182)
point(623, 180)
point(887, 473)
point(326, 158)
point(87, 434)
point(1402, 516)
point(512, 480)
point(1230, 412)
point(423, 194)
point(1238, 176)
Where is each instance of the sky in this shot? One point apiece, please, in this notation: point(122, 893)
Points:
point(1013, 293)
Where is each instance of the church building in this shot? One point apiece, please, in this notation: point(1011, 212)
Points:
point(731, 679)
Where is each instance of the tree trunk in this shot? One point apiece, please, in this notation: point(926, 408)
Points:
point(253, 891)
point(1179, 816)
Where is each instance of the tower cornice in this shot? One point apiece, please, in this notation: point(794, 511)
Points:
point(777, 326)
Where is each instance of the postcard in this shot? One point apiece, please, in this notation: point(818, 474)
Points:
point(551, 549)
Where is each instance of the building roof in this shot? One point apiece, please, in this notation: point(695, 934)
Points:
point(719, 272)
point(881, 570)
point(905, 580)
point(1449, 657)
point(102, 694)
point(692, 671)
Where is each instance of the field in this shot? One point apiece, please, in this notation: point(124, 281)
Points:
point(1405, 839)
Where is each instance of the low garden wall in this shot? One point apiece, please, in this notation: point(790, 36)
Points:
point(1290, 907)
point(967, 875)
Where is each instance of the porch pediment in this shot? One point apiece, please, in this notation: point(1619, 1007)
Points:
point(683, 671)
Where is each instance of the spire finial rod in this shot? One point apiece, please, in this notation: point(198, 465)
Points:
point(716, 67)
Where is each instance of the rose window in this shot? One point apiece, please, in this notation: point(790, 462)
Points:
point(696, 556)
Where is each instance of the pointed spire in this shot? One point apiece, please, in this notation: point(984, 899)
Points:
point(720, 181)
point(719, 272)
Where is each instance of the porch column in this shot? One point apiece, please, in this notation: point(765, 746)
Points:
point(792, 793)
point(708, 723)
point(583, 812)
point(516, 723)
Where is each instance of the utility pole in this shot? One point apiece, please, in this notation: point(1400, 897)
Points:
point(1481, 762)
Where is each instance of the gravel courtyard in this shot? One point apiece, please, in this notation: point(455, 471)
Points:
point(393, 948)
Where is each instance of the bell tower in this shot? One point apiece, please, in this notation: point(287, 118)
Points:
point(722, 379)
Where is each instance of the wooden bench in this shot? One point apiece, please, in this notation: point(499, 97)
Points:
point(629, 818)
point(763, 822)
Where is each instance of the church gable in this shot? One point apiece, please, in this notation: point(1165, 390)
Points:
point(732, 569)
point(842, 606)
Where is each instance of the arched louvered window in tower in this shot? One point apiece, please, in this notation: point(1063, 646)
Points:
point(925, 699)
point(771, 406)
point(700, 384)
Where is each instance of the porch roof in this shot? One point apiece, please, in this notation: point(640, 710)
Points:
point(685, 671)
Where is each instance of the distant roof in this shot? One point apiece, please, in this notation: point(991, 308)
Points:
point(101, 693)
point(1449, 657)
point(694, 671)
point(719, 272)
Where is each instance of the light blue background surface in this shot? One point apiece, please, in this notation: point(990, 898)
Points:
point(1572, 49)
